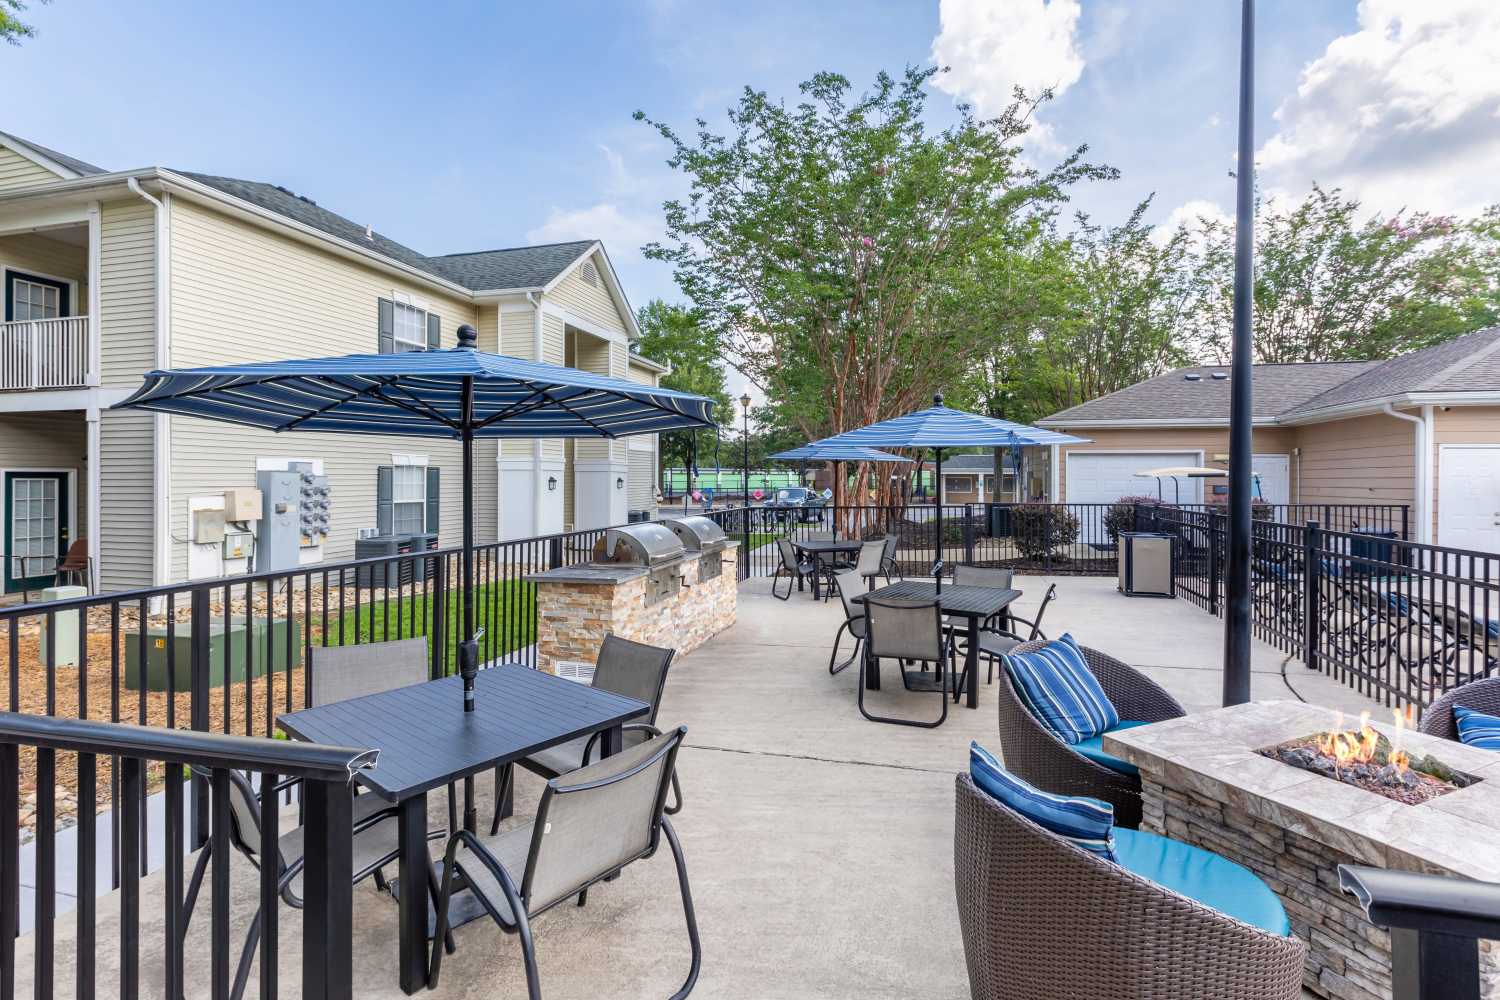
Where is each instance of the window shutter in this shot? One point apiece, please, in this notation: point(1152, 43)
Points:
point(387, 327)
point(385, 507)
point(432, 499)
point(434, 331)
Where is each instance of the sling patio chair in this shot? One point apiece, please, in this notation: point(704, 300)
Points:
point(907, 632)
point(589, 825)
point(624, 667)
point(888, 564)
point(871, 562)
point(1038, 755)
point(995, 642)
point(795, 570)
point(854, 620)
point(1043, 918)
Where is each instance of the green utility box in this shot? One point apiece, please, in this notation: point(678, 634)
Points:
point(265, 638)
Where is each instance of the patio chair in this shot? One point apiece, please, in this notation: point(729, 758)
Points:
point(339, 673)
point(1482, 695)
point(854, 619)
point(589, 825)
point(624, 667)
point(795, 570)
point(996, 642)
point(907, 632)
point(1036, 754)
point(870, 563)
point(1041, 918)
point(1385, 631)
point(75, 565)
point(888, 564)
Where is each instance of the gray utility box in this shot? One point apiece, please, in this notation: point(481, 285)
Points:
point(267, 641)
point(1146, 565)
point(279, 538)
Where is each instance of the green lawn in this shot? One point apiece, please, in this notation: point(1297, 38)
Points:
point(506, 610)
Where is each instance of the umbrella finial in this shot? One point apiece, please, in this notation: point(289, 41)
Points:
point(467, 336)
point(937, 399)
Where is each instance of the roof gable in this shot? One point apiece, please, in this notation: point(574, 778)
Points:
point(65, 167)
point(519, 268)
point(1463, 364)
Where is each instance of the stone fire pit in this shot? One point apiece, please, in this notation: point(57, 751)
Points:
point(1205, 782)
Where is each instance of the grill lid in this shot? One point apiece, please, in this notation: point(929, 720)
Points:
point(697, 533)
point(644, 544)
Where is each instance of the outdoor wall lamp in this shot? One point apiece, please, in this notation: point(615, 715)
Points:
point(619, 482)
point(551, 483)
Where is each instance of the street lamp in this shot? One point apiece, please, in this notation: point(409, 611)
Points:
point(745, 541)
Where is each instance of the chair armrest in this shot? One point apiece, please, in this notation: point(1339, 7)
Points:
point(629, 727)
point(1412, 900)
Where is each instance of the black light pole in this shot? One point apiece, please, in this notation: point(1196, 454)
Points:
point(1237, 590)
point(745, 541)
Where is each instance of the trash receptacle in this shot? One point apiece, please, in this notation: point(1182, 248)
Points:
point(1373, 552)
point(1146, 568)
point(999, 518)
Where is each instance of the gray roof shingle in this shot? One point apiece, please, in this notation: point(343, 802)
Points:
point(516, 267)
point(71, 162)
point(1466, 363)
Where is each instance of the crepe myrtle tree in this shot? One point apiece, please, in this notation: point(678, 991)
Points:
point(674, 335)
point(844, 252)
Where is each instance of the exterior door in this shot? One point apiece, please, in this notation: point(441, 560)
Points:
point(36, 527)
point(1275, 480)
point(1469, 497)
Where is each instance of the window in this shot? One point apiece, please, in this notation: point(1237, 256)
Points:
point(409, 497)
point(30, 297)
point(410, 328)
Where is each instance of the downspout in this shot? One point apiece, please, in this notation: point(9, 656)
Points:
point(161, 558)
point(1422, 459)
point(538, 496)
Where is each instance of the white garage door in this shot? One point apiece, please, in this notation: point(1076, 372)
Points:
point(1105, 478)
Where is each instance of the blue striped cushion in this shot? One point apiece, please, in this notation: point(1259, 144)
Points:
point(1061, 692)
point(1089, 823)
point(1477, 729)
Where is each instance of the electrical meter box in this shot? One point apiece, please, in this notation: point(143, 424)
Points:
point(238, 544)
point(208, 527)
point(279, 536)
point(312, 509)
point(242, 503)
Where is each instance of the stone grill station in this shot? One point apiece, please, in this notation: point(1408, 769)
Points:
point(643, 584)
point(1204, 783)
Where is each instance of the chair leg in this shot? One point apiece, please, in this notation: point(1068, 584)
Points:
point(778, 575)
point(247, 957)
point(942, 697)
point(673, 810)
point(833, 654)
point(687, 911)
point(504, 789)
point(194, 885)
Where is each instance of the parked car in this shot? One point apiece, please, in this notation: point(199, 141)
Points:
point(795, 502)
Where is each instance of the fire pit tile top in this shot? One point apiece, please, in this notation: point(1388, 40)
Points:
point(1215, 754)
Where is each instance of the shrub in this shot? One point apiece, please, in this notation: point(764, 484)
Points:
point(1040, 528)
point(1121, 516)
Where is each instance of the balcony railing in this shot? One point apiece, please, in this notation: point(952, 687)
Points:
point(44, 353)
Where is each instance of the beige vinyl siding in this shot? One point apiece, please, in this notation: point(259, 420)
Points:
point(127, 292)
point(517, 333)
point(592, 355)
point(1459, 425)
point(641, 478)
point(1210, 441)
point(486, 471)
point(125, 499)
point(241, 293)
point(554, 352)
point(589, 302)
point(55, 440)
point(1359, 460)
point(16, 172)
point(36, 254)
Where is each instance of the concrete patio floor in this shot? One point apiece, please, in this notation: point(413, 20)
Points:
point(819, 845)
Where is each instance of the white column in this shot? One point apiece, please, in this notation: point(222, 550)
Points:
point(93, 494)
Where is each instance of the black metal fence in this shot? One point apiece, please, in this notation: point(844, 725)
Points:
point(1399, 621)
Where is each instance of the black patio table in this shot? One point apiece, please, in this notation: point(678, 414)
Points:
point(820, 547)
point(973, 603)
point(425, 744)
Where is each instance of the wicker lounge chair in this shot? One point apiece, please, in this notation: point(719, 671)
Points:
point(1482, 695)
point(1035, 754)
point(625, 667)
point(1043, 919)
point(589, 824)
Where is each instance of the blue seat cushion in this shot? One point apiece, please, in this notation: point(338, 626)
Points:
point(1476, 728)
point(1203, 876)
point(1093, 749)
point(1087, 822)
point(1060, 691)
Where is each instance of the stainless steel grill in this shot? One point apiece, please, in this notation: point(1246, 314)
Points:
point(702, 535)
point(650, 545)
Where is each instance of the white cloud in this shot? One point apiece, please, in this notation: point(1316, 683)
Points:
point(990, 48)
point(1404, 112)
point(1192, 214)
point(1214, 121)
point(621, 232)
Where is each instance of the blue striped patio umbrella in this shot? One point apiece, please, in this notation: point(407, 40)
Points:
point(835, 454)
point(939, 427)
point(459, 393)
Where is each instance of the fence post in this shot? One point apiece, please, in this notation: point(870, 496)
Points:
point(328, 917)
point(554, 553)
point(968, 534)
point(1213, 562)
point(1312, 589)
point(1405, 525)
point(745, 544)
point(198, 665)
point(1047, 538)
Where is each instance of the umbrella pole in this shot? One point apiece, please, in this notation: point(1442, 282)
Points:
point(468, 647)
point(937, 567)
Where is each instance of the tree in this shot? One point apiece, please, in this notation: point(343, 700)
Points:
point(674, 335)
point(837, 249)
point(1333, 285)
point(12, 28)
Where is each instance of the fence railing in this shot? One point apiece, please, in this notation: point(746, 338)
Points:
point(1399, 621)
point(44, 353)
point(130, 753)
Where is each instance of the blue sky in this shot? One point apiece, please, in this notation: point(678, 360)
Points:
point(462, 126)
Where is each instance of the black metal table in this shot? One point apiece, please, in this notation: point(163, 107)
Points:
point(820, 547)
point(973, 603)
point(427, 740)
